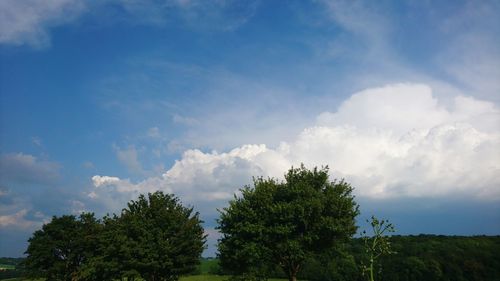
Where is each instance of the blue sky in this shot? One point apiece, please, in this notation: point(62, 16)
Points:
point(103, 100)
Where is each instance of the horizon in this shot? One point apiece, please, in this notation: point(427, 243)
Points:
point(101, 101)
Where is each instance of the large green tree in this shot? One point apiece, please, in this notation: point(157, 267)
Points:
point(114, 254)
point(282, 224)
point(62, 246)
point(159, 238)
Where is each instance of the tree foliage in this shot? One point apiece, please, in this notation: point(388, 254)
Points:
point(62, 246)
point(162, 238)
point(431, 257)
point(284, 223)
point(415, 258)
point(155, 238)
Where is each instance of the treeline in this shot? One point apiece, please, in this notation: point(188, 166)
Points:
point(427, 257)
point(416, 258)
point(154, 238)
point(10, 267)
point(298, 228)
point(10, 261)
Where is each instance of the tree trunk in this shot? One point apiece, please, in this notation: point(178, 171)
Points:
point(292, 273)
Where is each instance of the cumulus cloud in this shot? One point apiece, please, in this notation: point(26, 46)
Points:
point(26, 22)
point(99, 181)
point(213, 176)
point(395, 108)
point(393, 141)
point(26, 168)
point(114, 192)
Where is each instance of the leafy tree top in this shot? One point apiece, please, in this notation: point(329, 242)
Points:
point(283, 223)
point(59, 249)
point(164, 239)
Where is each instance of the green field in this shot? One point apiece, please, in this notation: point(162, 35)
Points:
point(203, 277)
point(187, 278)
point(205, 266)
point(22, 279)
point(213, 278)
point(7, 266)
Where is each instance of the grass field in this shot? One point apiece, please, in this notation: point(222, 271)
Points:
point(207, 266)
point(213, 278)
point(204, 269)
point(7, 266)
point(203, 277)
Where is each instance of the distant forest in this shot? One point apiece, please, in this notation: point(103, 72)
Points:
point(417, 258)
point(422, 257)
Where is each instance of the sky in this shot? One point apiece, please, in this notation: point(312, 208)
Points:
point(101, 101)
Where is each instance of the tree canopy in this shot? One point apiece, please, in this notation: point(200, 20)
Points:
point(282, 224)
point(165, 238)
point(62, 246)
point(155, 238)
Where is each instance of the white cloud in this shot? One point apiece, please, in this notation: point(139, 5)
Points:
point(399, 108)
point(26, 22)
point(212, 176)
point(391, 141)
point(114, 192)
point(395, 108)
point(99, 181)
point(18, 220)
point(25, 168)
point(197, 176)
point(124, 186)
point(398, 140)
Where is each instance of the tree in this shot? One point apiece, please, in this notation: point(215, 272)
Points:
point(62, 246)
point(113, 254)
point(378, 244)
point(283, 223)
point(158, 238)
